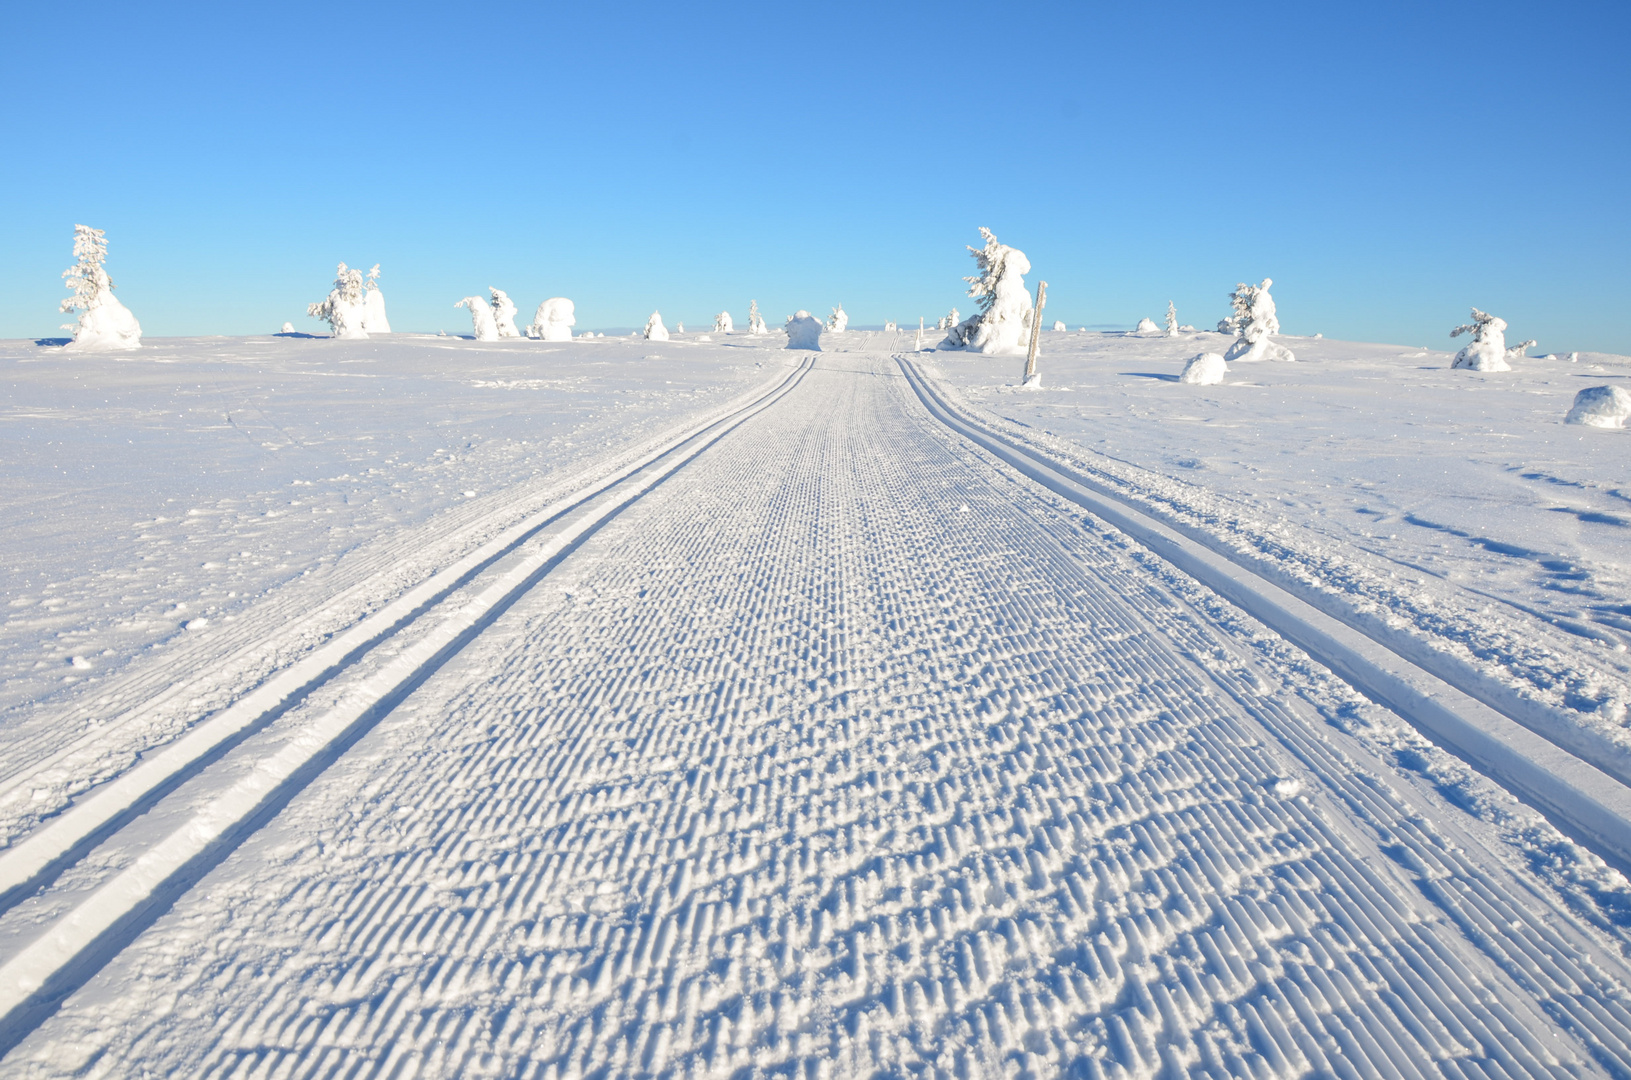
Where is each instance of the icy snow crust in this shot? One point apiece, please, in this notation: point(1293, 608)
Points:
point(844, 751)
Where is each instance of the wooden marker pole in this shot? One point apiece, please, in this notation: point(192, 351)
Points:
point(1036, 331)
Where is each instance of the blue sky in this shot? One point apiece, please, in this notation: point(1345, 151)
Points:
point(1388, 164)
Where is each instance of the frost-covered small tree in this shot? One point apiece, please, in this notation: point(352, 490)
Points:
point(723, 323)
point(1058, 326)
point(503, 313)
point(373, 305)
point(1254, 323)
point(1487, 350)
point(890, 327)
point(1172, 320)
point(481, 318)
point(803, 331)
point(655, 330)
point(554, 320)
point(1516, 352)
point(1004, 319)
point(756, 321)
point(103, 323)
point(679, 328)
point(344, 309)
point(838, 320)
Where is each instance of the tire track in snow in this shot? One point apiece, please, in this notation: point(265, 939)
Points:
point(823, 760)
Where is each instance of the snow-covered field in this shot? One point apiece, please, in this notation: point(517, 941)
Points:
point(747, 719)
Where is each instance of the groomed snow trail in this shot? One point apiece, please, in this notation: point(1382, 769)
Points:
point(846, 751)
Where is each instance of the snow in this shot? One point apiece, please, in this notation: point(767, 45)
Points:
point(288, 328)
point(1002, 324)
point(1601, 406)
point(655, 330)
point(104, 324)
point(553, 321)
point(727, 713)
point(1487, 350)
point(1058, 326)
point(1204, 369)
point(344, 309)
point(723, 323)
point(374, 320)
point(756, 321)
point(1255, 321)
point(1146, 326)
point(484, 326)
point(838, 321)
point(803, 331)
point(504, 310)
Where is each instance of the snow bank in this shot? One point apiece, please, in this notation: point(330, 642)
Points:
point(1207, 369)
point(655, 330)
point(554, 320)
point(481, 318)
point(104, 324)
point(804, 331)
point(1002, 324)
point(1601, 406)
point(1487, 350)
point(838, 322)
point(1255, 323)
point(504, 313)
point(723, 323)
point(344, 307)
point(373, 306)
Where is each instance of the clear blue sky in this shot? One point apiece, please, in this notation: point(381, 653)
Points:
point(1389, 164)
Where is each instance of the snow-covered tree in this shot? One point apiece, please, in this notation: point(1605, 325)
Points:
point(655, 330)
point(1254, 323)
point(949, 320)
point(1487, 350)
point(481, 318)
point(1172, 320)
point(554, 320)
point(503, 313)
point(373, 305)
point(838, 320)
point(723, 323)
point(1516, 352)
point(1004, 319)
point(344, 309)
point(756, 321)
point(103, 323)
point(803, 331)
point(1146, 327)
point(1058, 326)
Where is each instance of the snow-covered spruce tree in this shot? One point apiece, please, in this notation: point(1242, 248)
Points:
point(1172, 320)
point(1518, 351)
point(503, 313)
point(1004, 319)
point(1254, 323)
point(554, 320)
point(838, 320)
point(104, 323)
point(756, 321)
point(343, 310)
point(1487, 350)
point(481, 318)
point(373, 305)
point(803, 331)
point(723, 323)
point(655, 330)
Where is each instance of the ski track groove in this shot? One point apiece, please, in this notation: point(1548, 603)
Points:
point(805, 769)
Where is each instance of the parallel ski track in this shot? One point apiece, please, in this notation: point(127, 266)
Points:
point(852, 754)
point(81, 938)
point(1574, 793)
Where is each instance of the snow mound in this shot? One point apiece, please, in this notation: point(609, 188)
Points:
point(1601, 406)
point(288, 328)
point(1487, 350)
point(504, 313)
point(804, 331)
point(1146, 326)
point(104, 323)
point(1206, 369)
point(481, 318)
point(655, 330)
point(554, 320)
point(1059, 326)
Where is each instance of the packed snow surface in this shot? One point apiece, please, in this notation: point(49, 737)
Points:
point(845, 750)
